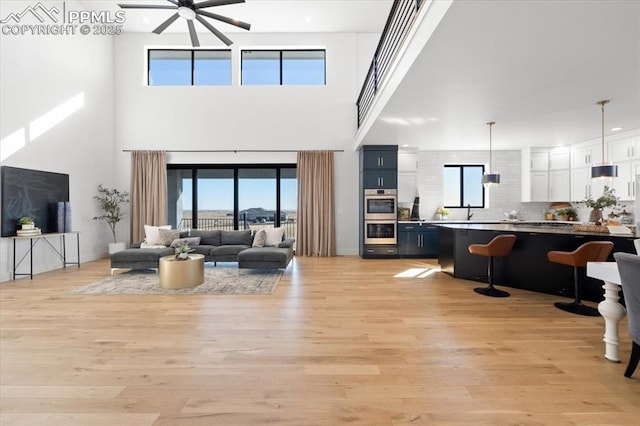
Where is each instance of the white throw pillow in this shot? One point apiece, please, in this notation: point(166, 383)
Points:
point(260, 238)
point(274, 236)
point(152, 234)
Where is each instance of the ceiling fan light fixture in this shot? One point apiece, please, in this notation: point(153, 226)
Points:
point(604, 170)
point(186, 13)
point(490, 179)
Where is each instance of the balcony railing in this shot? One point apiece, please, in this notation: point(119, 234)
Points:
point(226, 224)
point(401, 17)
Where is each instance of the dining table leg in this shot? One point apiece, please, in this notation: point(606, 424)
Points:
point(612, 312)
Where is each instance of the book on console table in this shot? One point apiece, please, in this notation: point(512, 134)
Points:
point(28, 232)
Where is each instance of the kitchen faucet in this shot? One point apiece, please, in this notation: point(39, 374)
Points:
point(469, 214)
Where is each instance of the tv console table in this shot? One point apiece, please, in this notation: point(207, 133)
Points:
point(33, 241)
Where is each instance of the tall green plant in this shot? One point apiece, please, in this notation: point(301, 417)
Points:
point(109, 201)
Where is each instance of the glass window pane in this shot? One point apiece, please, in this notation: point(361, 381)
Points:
point(451, 179)
point(472, 190)
point(212, 68)
point(179, 198)
point(169, 68)
point(303, 67)
point(289, 202)
point(256, 198)
point(215, 199)
point(260, 67)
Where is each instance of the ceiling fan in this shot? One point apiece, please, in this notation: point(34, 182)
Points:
point(189, 10)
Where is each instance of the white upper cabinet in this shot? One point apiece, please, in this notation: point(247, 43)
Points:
point(625, 149)
point(586, 155)
point(545, 175)
point(539, 160)
point(559, 160)
point(560, 185)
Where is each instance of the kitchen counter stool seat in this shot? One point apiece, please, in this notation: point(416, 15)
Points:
point(500, 246)
point(593, 251)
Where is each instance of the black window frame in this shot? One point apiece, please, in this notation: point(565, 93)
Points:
point(461, 168)
point(193, 65)
point(235, 167)
point(280, 51)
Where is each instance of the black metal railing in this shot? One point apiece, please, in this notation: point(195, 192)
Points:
point(401, 17)
point(226, 224)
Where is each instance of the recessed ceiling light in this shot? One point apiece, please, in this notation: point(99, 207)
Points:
point(405, 145)
point(616, 129)
point(433, 119)
point(145, 20)
point(307, 19)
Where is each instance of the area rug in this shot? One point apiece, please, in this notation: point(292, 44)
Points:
point(217, 280)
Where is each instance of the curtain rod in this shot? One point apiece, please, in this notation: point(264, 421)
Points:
point(233, 150)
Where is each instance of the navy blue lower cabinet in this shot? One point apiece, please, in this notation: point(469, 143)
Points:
point(417, 240)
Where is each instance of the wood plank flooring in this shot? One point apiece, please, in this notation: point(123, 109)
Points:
point(341, 341)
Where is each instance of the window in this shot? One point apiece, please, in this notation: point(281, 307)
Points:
point(463, 186)
point(283, 67)
point(189, 67)
point(232, 197)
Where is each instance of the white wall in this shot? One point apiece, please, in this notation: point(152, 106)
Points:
point(247, 117)
point(504, 197)
point(38, 73)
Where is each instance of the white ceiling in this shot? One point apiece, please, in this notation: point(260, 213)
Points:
point(536, 68)
point(362, 16)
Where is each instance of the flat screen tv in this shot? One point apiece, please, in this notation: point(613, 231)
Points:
point(32, 193)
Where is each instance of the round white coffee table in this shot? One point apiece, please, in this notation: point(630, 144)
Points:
point(176, 274)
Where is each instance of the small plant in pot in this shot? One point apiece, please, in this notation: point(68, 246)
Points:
point(109, 201)
point(567, 213)
point(26, 222)
point(182, 251)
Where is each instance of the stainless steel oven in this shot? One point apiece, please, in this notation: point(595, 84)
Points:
point(380, 231)
point(380, 204)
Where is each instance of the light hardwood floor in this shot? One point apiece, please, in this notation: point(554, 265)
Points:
point(341, 341)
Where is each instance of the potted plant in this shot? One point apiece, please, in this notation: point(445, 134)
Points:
point(607, 199)
point(567, 213)
point(26, 222)
point(109, 201)
point(442, 213)
point(182, 251)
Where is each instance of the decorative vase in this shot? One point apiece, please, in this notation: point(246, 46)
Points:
point(116, 247)
point(182, 256)
point(595, 216)
point(27, 226)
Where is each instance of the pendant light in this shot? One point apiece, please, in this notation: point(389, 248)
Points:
point(489, 179)
point(604, 170)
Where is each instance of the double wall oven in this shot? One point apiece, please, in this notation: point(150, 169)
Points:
point(380, 213)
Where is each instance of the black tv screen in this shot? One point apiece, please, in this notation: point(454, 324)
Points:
point(32, 193)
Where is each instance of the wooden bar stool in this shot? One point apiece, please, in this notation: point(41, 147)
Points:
point(593, 251)
point(500, 246)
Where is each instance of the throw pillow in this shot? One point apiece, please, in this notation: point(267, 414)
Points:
point(152, 233)
point(144, 245)
point(191, 241)
point(260, 238)
point(167, 236)
point(274, 236)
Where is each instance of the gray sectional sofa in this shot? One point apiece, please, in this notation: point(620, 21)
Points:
point(216, 246)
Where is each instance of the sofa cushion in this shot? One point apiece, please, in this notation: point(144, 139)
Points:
point(228, 250)
point(152, 233)
point(274, 236)
point(209, 238)
point(167, 236)
point(190, 241)
point(138, 255)
point(203, 249)
point(236, 238)
point(259, 238)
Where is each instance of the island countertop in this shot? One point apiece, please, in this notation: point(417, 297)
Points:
point(533, 227)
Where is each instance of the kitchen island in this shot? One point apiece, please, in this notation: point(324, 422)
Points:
point(527, 267)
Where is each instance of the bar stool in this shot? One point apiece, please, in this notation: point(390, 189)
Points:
point(500, 246)
point(593, 251)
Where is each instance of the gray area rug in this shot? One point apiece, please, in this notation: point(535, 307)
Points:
point(217, 280)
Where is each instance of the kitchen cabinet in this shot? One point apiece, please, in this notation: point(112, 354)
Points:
point(625, 183)
point(582, 186)
point(559, 185)
point(380, 179)
point(586, 155)
point(559, 160)
point(625, 149)
point(539, 160)
point(539, 186)
point(407, 175)
point(545, 175)
point(379, 157)
point(417, 240)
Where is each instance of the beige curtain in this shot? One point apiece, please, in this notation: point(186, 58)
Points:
point(148, 191)
point(316, 220)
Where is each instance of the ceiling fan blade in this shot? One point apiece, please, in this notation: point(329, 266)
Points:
point(192, 32)
point(210, 3)
point(174, 2)
point(215, 32)
point(166, 23)
point(145, 6)
point(221, 18)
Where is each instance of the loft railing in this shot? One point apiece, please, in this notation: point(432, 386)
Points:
point(401, 17)
point(226, 224)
